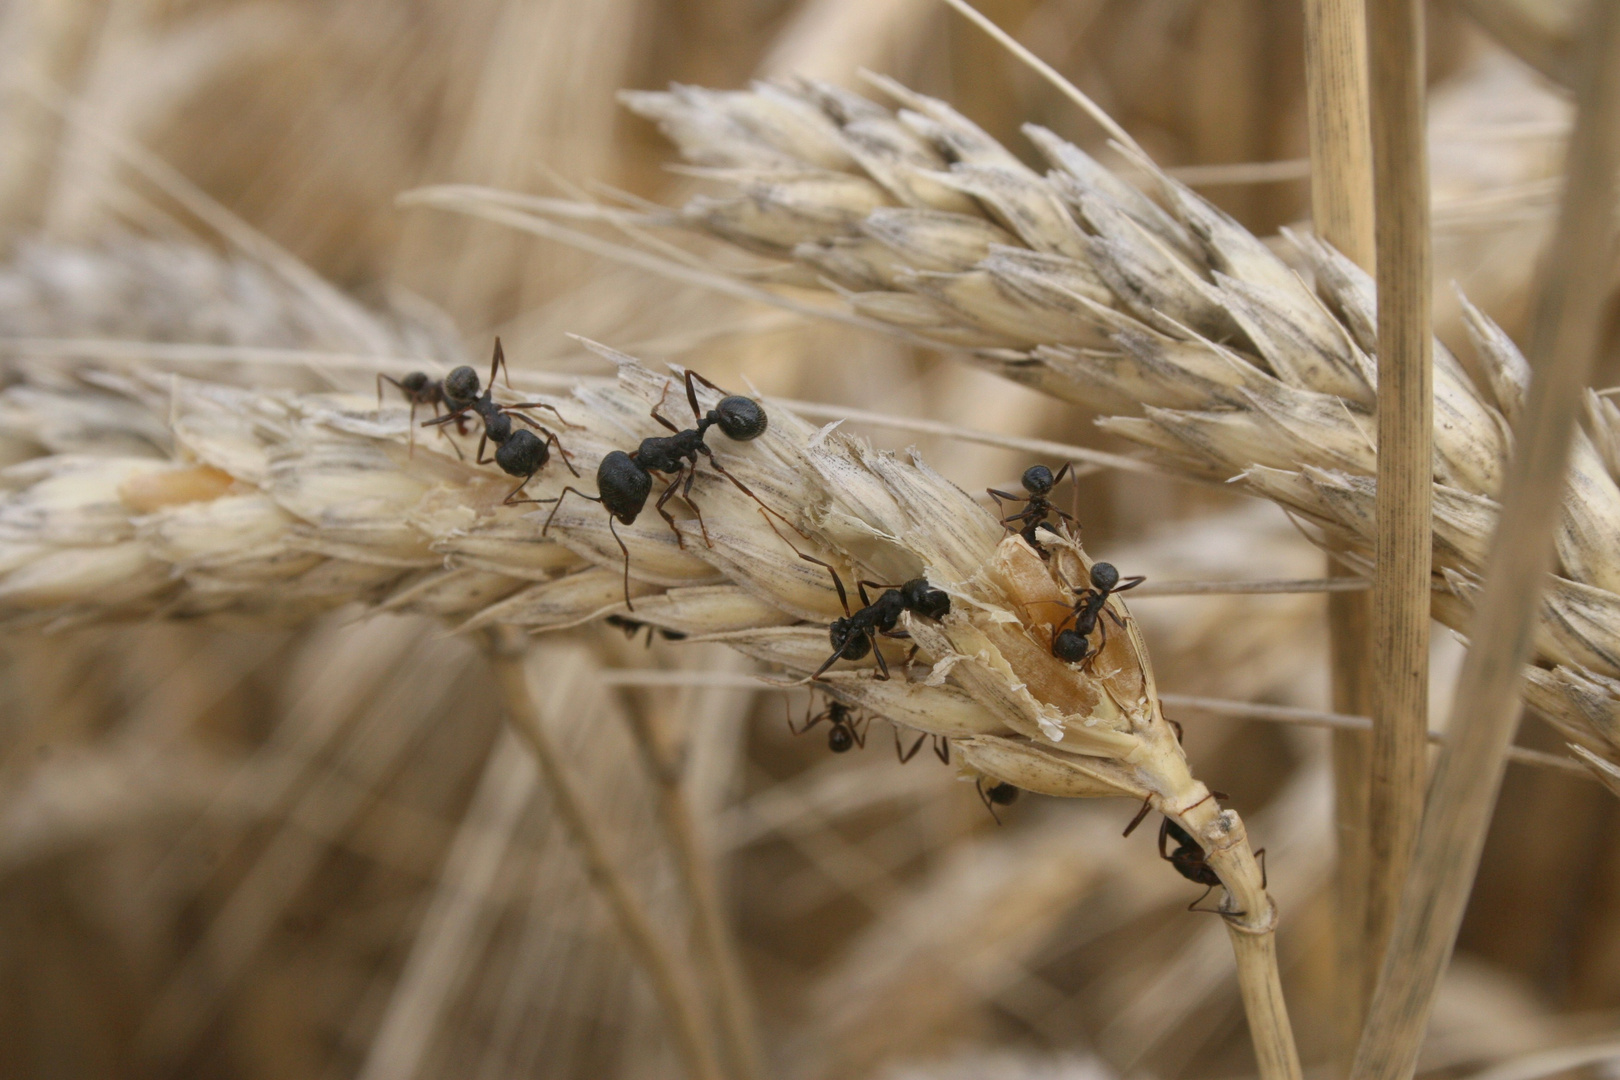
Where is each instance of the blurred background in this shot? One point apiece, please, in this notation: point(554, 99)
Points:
point(311, 851)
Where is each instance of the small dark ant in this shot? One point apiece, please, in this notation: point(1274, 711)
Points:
point(1189, 859)
point(1038, 481)
point(1000, 793)
point(623, 481)
point(519, 453)
point(855, 634)
point(942, 747)
point(632, 627)
point(848, 729)
point(419, 389)
point(1072, 645)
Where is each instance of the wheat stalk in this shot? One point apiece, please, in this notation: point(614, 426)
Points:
point(282, 504)
point(1206, 346)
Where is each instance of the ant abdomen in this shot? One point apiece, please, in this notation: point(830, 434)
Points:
point(522, 453)
point(840, 739)
point(846, 644)
point(741, 418)
point(1070, 646)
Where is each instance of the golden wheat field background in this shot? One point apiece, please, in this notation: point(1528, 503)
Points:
point(357, 780)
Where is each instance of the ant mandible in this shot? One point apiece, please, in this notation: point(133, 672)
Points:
point(848, 730)
point(1038, 481)
point(1073, 645)
point(519, 453)
point(623, 481)
point(1000, 793)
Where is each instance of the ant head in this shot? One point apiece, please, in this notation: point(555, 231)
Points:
point(415, 382)
point(849, 646)
point(1037, 480)
point(1070, 646)
point(1002, 794)
point(741, 418)
point(919, 597)
point(498, 428)
point(840, 738)
point(523, 453)
point(1104, 576)
point(462, 384)
point(623, 485)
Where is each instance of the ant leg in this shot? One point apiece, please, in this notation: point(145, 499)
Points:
point(1213, 911)
point(942, 748)
point(742, 487)
point(512, 500)
point(543, 405)
point(978, 785)
point(628, 606)
point(458, 415)
point(877, 654)
point(1129, 583)
point(559, 501)
point(809, 722)
point(479, 458)
point(498, 363)
point(691, 395)
point(866, 722)
point(1061, 473)
point(1147, 805)
point(998, 496)
point(551, 437)
point(669, 518)
point(1164, 834)
point(907, 755)
point(655, 414)
point(686, 494)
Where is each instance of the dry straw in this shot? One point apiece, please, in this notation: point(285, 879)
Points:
point(1224, 360)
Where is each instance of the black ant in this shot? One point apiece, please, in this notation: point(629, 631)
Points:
point(623, 481)
point(1072, 645)
point(1000, 793)
point(419, 389)
point(632, 627)
point(942, 747)
point(1189, 859)
point(848, 730)
point(855, 634)
point(1038, 481)
point(520, 453)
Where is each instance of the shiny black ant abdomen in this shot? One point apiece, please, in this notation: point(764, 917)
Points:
point(624, 481)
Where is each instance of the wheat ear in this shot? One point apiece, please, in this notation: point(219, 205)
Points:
point(285, 503)
point(1149, 304)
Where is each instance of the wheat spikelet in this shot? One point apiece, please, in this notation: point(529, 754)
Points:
point(1210, 349)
